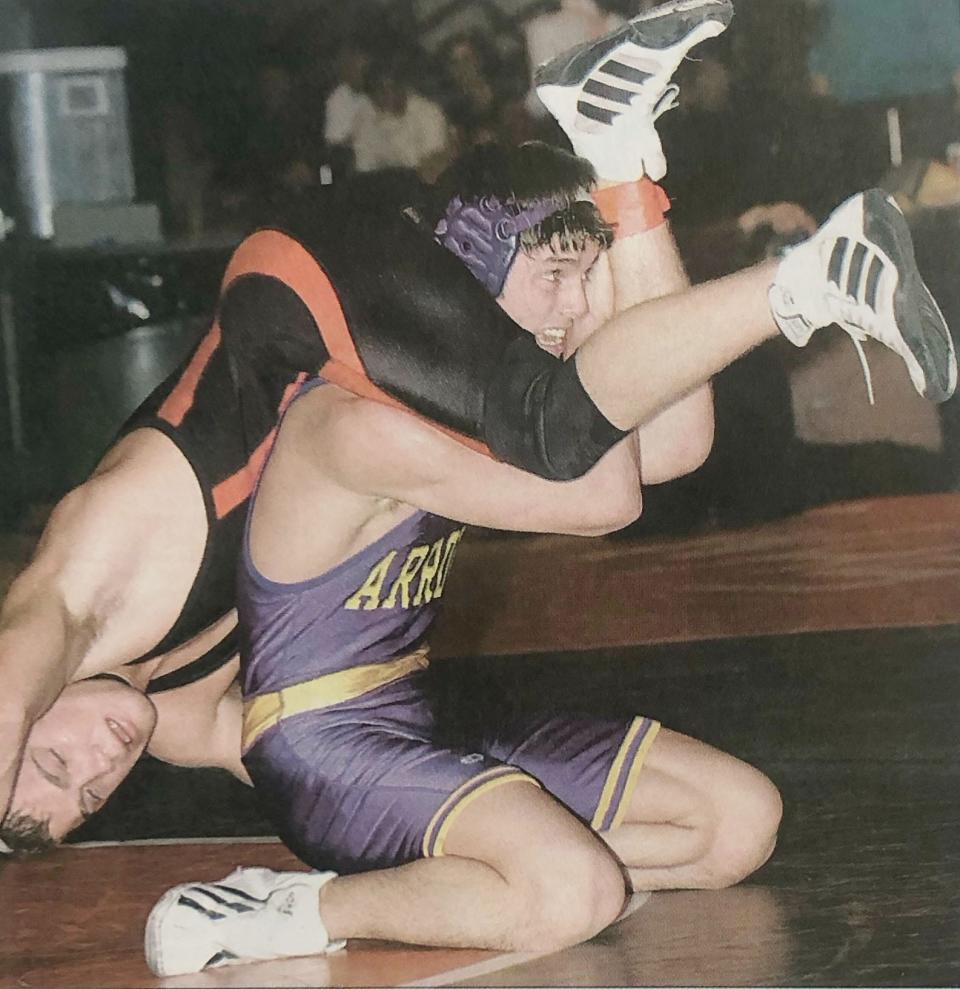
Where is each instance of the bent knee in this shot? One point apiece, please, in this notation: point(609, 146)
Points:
point(568, 897)
point(744, 830)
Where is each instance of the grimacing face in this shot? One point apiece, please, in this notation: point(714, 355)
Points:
point(545, 292)
point(80, 750)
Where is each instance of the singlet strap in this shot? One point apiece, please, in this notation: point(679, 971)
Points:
point(212, 660)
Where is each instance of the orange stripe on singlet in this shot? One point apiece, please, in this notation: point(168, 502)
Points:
point(272, 253)
point(237, 488)
point(179, 402)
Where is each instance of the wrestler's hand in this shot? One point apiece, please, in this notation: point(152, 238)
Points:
point(781, 218)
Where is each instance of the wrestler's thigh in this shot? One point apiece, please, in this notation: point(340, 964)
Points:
point(362, 784)
point(685, 779)
point(590, 764)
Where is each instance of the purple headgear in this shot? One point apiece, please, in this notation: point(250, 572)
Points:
point(483, 234)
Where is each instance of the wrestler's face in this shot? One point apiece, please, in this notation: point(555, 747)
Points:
point(79, 751)
point(545, 292)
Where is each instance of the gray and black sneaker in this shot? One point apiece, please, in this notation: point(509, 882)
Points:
point(859, 272)
point(607, 93)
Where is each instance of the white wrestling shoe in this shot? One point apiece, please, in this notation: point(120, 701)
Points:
point(858, 271)
point(607, 94)
point(251, 915)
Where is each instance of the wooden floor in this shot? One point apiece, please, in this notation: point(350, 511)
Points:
point(822, 648)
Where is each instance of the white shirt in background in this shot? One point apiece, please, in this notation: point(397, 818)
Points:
point(383, 140)
point(343, 107)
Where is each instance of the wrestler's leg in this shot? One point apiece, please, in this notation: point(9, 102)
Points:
point(445, 848)
point(697, 818)
point(607, 95)
point(519, 872)
point(676, 812)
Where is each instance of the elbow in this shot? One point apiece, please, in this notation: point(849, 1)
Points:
point(609, 512)
point(622, 515)
point(696, 450)
point(684, 456)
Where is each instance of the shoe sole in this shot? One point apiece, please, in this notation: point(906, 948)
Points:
point(658, 30)
point(918, 317)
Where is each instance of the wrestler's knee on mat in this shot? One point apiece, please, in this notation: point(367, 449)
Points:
point(566, 895)
point(743, 829)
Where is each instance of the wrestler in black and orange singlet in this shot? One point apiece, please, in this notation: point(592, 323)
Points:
point(372, 304)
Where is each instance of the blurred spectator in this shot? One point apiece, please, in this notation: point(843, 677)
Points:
point(283, 152)
point(346, 104)
point(724, 218)
point(400, 128)
point(481, 96)
point(188, 168)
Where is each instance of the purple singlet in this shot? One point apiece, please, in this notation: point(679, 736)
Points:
point(339, 736)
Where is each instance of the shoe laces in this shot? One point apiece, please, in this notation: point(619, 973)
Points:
point(851, 315)
point(858, 339)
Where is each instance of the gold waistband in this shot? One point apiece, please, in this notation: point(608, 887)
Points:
point(267, 710)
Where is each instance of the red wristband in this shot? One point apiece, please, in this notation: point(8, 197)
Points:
point(633, 207)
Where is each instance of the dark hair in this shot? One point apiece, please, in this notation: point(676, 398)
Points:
point(527, 174)
point(393, 67)
point(25, 835)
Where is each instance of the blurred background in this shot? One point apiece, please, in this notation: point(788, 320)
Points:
point(140, 140)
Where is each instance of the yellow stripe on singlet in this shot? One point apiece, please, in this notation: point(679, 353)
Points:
point(436, 832)
point(263, 712)
point(617, 769)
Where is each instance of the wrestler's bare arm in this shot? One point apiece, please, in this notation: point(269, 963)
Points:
point(373, 450)
point(109, 576)
point(200, 724)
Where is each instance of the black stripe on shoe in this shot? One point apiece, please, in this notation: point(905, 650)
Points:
point(626, 72)
point(873, 283)
point(240, 907)
point(595, 88)
point(857, 262)
point(597, 112)
point(835, 267)
point(237, 892)
point(188, 901)
point(220, 958)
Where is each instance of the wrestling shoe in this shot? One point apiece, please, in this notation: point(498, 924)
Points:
point(607, 94)
point(251, 915)
point(858, 271)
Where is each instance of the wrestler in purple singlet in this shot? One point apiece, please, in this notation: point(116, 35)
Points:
point(338, 731)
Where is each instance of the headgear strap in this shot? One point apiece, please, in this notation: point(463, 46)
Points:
point(483, 233)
